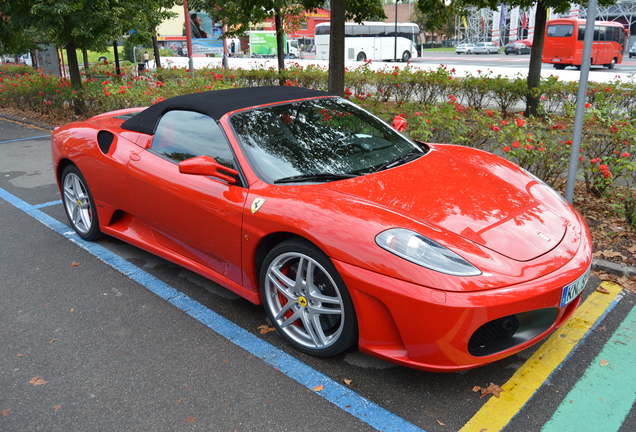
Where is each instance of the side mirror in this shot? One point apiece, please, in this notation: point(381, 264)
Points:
point(207, 166)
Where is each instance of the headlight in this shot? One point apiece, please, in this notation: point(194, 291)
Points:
point(425, 252)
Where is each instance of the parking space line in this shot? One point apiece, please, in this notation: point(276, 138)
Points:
point(25, 139)
point(602, 398)
point(47, 204)
point(496, 413)
point(339, 395)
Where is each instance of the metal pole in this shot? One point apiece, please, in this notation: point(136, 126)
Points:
point(395, 34)
point(225, 61)
point(188, 29)
point(580, 98)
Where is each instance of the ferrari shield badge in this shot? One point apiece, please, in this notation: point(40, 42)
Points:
point(257, 204)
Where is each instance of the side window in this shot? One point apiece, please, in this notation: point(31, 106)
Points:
point(181, 135)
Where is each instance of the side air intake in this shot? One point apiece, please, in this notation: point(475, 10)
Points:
point(104, 140)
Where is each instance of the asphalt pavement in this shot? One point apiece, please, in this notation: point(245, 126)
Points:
point(85, 346)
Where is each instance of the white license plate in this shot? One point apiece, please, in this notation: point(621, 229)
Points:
point(556, 60)
point(572, 290)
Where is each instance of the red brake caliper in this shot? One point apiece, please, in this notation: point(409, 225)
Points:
point(283, 300)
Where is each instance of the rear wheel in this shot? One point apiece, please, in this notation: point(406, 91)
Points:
point(558, 66)
point(306, 299)
point(361, 57)
point(79, 204)
point(611, 64)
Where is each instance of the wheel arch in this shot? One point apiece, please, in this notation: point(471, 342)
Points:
point(270, 240)
point(61, 166)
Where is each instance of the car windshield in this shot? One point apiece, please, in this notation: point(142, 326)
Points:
point(329, 137)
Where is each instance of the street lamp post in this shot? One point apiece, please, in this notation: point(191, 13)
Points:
point(395, 34)
point(580, 99)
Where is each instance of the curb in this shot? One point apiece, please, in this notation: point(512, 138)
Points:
point(613, 268)
point(26, 121)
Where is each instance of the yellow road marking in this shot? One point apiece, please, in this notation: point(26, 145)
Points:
point(495, 414)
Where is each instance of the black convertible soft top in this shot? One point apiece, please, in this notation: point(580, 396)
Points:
point(216, 103)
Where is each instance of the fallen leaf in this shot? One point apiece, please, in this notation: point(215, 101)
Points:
point(56, 408)
point(54, 340)
point(37, 381)
point(5, 412)
point(190, 419)
point(21, 355)
point(612, 254)
point(318, 388)
point(602, 290)
point(347, 381)
point(441, 423)
point(75, 264)
point(476, 389)
point(632, 249)
point(264, 329)
point(603, 363)
point(492, 389)
point(71, 310)
point(179, 401)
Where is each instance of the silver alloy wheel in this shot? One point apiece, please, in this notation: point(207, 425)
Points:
point(304, 300)
point(77, 203)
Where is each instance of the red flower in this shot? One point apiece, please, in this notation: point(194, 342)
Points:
point(347, 92)
point(541, 149)
point(452, 98)
point(106, 82)
point(613, 129)
point(588, 105)
point(417, 114)
point(529, 147)
point(504, 122)
point(489, 113)
point(394, 73)
point(399, 123)
point(495, 128)
point(506, 149)
point(625, 155)
point(569, 142)
point(520, 122)
point(515, 144)
point(595, 160)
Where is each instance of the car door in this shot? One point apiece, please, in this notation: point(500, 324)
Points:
point(195, 216)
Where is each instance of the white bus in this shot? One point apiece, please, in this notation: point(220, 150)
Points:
point(371, 41)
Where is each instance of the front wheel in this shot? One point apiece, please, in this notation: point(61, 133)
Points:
point(558, 66)
point(306, 299)
point(611, 64)
point(406, 56)
point(79, 204)
point(361, 57)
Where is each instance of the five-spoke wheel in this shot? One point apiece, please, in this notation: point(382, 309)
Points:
point(306, 299)
point(78, 203)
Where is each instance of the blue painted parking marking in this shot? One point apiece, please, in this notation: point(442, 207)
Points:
point(339, 395)
point(47, 204)
point(25, 139)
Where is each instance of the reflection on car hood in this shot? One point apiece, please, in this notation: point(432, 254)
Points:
point(472, 194)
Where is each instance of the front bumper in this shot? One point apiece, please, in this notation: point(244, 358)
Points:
point(430, 329)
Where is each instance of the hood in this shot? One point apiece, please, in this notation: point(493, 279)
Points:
point(474, 194)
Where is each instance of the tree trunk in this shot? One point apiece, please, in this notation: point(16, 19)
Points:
point(85, 58)
point(155, 49)
point(116, 52)
point(280, 48)
point(336, 48)
point(34, 58)
point(73, 67)
point(534, 70)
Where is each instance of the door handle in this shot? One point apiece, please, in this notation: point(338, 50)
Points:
point(134, 156)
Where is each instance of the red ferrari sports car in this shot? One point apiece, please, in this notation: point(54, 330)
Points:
point(437, 257)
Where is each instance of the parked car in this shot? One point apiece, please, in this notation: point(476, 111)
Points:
point(434, 256)
point(632, 51)
point(485, 48)
point(465, 48)
point(516, 47)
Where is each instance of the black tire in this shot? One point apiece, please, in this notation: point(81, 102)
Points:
point(611, 65)
point(406, 56)
point(93, 233)
point(361, 57)
point(348, 336)
point(558, 66)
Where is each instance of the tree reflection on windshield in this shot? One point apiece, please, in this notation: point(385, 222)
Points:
point(317, 136)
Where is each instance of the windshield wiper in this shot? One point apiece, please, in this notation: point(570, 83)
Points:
point(314, 177)
point(406, 157)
